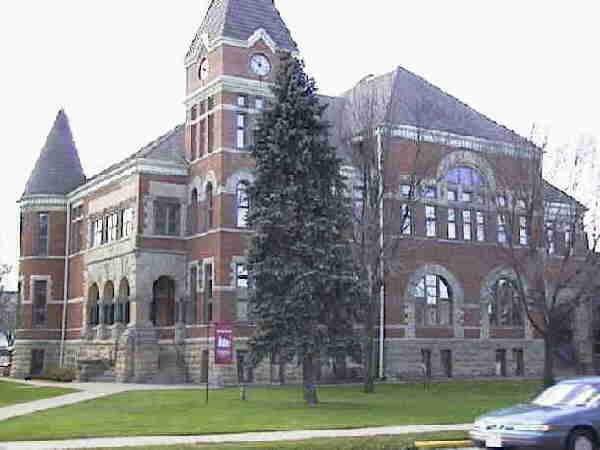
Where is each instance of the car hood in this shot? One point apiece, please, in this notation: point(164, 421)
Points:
point(529, 413)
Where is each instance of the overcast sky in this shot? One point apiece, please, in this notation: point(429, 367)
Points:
point(116, 66)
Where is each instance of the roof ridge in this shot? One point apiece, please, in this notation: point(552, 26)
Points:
point(150, 146)
point(466, 105)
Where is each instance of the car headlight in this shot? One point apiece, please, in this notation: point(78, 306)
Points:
point(532, 427)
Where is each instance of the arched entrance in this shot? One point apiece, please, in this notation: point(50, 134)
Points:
point(162, 311)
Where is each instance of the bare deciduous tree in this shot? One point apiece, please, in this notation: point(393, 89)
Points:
point(385, 185)
point(543, 240)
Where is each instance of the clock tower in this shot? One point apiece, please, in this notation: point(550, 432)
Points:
point(230, 66)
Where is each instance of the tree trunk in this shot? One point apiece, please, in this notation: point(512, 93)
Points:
point(548, 361)
point(308, 380)
point(369, 381)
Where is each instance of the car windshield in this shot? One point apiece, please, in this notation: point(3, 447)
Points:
point(568, 394)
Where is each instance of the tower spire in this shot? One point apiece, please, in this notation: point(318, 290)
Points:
point(58, 169)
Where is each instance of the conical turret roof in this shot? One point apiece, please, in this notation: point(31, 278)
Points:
point(58, 169)
point(239, 19)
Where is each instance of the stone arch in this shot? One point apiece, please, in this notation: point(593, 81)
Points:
point(108, 303)
point(93, 309)
point(124, 304)
point(467, 159)
point(162, 312)
point(210, 178)
point(487, 298)
point(193, 214)
point(236, 177)
point(457, 292)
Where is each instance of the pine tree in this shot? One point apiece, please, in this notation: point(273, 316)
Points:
point(305, 294)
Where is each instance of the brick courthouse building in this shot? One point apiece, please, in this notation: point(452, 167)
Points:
point(123, 275)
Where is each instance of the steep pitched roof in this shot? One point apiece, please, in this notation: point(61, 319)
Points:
point(58, 169)
point(168, 147)
point(418, 103)
point(239, 19)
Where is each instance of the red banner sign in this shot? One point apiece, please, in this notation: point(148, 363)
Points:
point(223, 344)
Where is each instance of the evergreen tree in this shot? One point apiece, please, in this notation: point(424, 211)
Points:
point(305, 294)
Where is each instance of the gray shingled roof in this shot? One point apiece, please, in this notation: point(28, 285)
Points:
point(552, 194)
point(58, 169)
point(168, 147)
point(418, 103)
point(239, 19)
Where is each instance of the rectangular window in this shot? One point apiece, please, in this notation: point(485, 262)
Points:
point(127, 222)
point(241, 101)
point(113, 222)
point(568, 238)
point(430, 221)
point(98, 231)
point(241, 271)
point(202, 138)
point(451, 224)
point(550, 237)
point(166, 218)
point(430, 192)
point(208, 280)
point(406, 220)
point(466, 197)
point(40, 300)
point(522, 230)
point(211, 137)
point(194, 142)
point(43, 236)
point(259, 103)
point(501, 229)
point(480, 226)
point(452, 195)
point(240, 140)
point(467, 234)
point(405, 190)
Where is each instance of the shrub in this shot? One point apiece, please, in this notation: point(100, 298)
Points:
point(56, 373)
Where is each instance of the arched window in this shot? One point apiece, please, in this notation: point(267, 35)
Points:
point(243, 205)
point(193, 216)
point(505, 307)
point(162, 312)
point(108, 303)
point(465, 184)
point(93, 306)
point(433, 301)
point(123, 308)
point(209, 205)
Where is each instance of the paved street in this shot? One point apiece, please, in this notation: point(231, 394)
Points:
point(95, 390)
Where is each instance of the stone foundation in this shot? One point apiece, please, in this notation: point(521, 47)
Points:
point(138, 356)
point(470, 357)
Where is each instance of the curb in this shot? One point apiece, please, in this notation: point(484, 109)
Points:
point(442, 444)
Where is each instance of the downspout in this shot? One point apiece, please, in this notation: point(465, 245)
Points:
point(65, 289)
point(380, 169)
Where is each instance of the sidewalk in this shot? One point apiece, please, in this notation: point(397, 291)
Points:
point(272, 436)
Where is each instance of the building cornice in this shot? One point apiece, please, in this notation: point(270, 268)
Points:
point(472, 143)
point(203, 41)
point(231, 84)
point(135, 166)
point(43, 202)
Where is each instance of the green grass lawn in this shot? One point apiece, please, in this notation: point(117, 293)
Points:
point(371, 443)
point(185, 412)
point(13, 393)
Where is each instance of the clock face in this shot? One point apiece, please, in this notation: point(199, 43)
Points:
point(260, 65)
point(204, 69)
